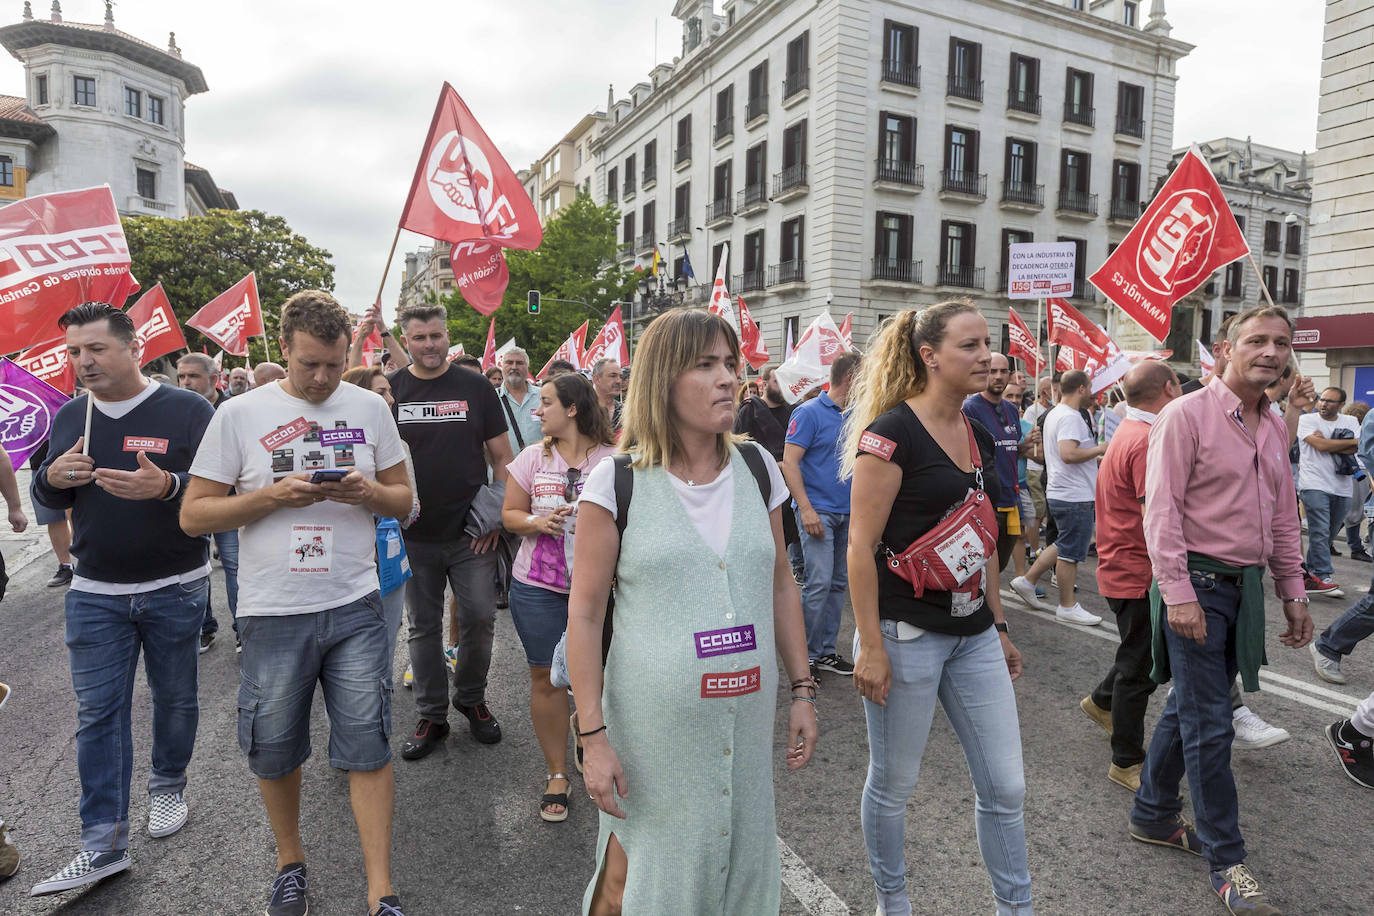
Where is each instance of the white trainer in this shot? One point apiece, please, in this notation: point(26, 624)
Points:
point(1025, 590)
point(1327, 670)
point(1076, 615)
point(1252, 732)
point(166, 814)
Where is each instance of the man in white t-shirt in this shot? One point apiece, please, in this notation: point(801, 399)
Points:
point(1325, 492)
point(312, 461)
point(1071, 453)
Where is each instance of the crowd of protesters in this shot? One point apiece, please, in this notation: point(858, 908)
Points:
point(583, 502)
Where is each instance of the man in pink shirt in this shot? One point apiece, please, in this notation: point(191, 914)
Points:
point(1219, 508)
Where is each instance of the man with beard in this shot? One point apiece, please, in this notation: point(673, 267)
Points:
point(238, 381)
point(1000, 417)
point(519, 401)
point(606, 380)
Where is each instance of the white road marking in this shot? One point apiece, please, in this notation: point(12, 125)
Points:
point(1315, 695)
point(29, 554)
point(813, 893)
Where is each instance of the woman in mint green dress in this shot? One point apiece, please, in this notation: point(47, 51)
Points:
point(678, 735)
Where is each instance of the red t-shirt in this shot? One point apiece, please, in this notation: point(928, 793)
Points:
point(1123, 564)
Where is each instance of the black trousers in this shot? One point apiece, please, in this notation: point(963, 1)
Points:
point(1127, 687)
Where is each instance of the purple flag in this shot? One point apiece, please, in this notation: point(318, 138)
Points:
point(27, 408)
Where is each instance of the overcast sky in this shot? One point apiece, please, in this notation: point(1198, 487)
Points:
point(317, 110)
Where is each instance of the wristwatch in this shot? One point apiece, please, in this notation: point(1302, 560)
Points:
point(1298, 600)
point(1000, 626)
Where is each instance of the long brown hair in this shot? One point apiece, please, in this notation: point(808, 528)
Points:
point(573, 390)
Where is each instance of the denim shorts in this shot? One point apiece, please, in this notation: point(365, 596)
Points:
point(42, 515)
point(540, 617)
point(1075, 524)
point(344, 649)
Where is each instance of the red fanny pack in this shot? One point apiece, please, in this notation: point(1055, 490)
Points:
point(950, 557)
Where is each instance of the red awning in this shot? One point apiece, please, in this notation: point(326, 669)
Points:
point(1335, 332)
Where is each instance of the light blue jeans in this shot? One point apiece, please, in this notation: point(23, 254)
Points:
point(1325, 518)
point(827, 579)
point(968, 676)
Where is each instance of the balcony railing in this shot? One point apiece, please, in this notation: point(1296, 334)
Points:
point(650, 176)
point(750, 195)
point(645, 242)
point(901, 72)
point(1077, 201)
point(1236, 291)
point(1271, 246)
point(682, 154)
point(973, 184)
point(1130, 127)
point(794, 176)
point(628, 189)
point(755, 107)
point(795, 82)
point(898, 270)
point(749, 281)
point(1125, 209)
point(787, 272)
point(627, 251)
point(961, 276)
point(1017, 100)
point(964, 87)
point(899, 171)
point(1289, 297)
point(1293, 248)
point(680, 226)
point(719, 209)
point(1023, 192)
point(1080, 114)
point(724, 128)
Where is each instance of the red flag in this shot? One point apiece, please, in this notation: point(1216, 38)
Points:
point(371, 345)
point(1070, 328)
point(846, 330)
point(1186, 233)
point(231, 317)
point(1070, 358)
point(463, 188)
point(489, 353)
point(156, 325)
point(456, 351)
point(720, 296)
point(751, 341)
point(51, 363)
point(480, 270)
point(610, 342)
point(56, 252)
point(571, 350)
point(1021, 343)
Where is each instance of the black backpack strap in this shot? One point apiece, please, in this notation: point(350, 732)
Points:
point(753, 456)
point(514, 426)
point(624, 489)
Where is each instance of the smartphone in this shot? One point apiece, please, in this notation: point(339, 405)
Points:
point(328, 475)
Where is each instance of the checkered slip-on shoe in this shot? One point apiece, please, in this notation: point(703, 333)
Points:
point(9, 854)
point(166, 814)
point(87, 868)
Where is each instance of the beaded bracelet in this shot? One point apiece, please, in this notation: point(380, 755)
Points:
point(810, 700)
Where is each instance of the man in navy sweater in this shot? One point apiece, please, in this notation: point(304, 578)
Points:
point(142, 583)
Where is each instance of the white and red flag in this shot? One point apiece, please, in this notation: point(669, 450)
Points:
point(751, 341)
point(51, 363)
point(1021, 343)
point(489, 351)
point(610, 342)
point(480, 270)
point(56, 252)
point(720, 296)
point(1071, 328)
point(847, 330)
point(1205, 360)
point(456, 351)
point(1068, 358)
point(809, 365)
point(156, 325)
point(571, 350)
point(464, 188)
point(372, 343)
point(1186, 233)
point(232, 317)
point(788, 347)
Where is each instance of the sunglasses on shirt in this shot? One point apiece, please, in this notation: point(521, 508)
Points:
point(570, 488)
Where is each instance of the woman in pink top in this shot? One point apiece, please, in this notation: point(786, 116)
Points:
point(541, 506)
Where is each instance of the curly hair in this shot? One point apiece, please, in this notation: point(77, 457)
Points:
point(316, 313)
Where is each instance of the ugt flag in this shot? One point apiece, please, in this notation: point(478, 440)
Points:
point(56, 252)
point(809, 365)
point(479, 269)
point(610, 342)
point(27, 407)
point(571, 350)
point(232, 317)
point(1021, 343)
point(1186, 233)
point(51, 363)
point(751, 344)
point(1070, 328)
point(156, 325)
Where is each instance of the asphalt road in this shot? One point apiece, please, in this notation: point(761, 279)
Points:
point(468, 839)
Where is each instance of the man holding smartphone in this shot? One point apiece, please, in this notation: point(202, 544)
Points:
point(309, 606)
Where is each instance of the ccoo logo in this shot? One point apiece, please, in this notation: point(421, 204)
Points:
point(1177, 242)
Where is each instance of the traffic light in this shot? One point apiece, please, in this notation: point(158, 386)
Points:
point(534, 301)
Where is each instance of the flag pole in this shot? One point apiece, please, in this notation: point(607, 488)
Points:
point(1044, 357)
point(1259, 276)
point(86, 441)
point(386, 268)
point(267, 347)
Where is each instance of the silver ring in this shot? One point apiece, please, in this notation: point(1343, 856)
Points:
point(71, 475)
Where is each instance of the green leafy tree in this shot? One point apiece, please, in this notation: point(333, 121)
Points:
point(576, 262)
point(197, 258)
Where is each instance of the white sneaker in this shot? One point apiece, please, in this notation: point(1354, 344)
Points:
point(1025, 590)
point(1252, 732)
point(1077, 615)
point(1327, 670)
point(166, 814)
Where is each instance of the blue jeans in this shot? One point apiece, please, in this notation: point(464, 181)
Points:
point(1325, 516)
point(227, 543)
point(827, 578)
point(968, 675)
point(1194, 733)
point(1347, 630)
point(104, 635)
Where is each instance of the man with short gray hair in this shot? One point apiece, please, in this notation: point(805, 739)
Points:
point(608, 384)
point(519, 400)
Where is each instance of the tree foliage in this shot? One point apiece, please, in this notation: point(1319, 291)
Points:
point(197, 258)
point(576, 262)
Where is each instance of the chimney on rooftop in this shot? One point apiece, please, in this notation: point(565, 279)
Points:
point(56, 11)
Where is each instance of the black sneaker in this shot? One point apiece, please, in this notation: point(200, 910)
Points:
point(834, 664)
point(1335, 552)
point(206, 641)
point(62, 577)
point(289, 892)
point(482, 723)
point(1359, 553)
point(815, 672)
point(1354, 750)
point(502, 600)
point(390, 905)
point(428, 735)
